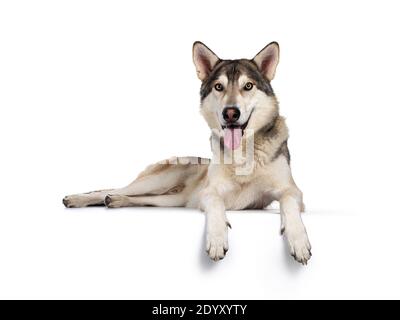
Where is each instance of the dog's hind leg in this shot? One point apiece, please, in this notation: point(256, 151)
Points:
point(160, 178)
point(156, 183)
point(165, 178)
point(165, 200)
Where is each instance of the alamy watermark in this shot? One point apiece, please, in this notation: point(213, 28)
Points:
point(242, 157)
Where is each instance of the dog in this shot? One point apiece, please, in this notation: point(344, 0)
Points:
point(250, 166)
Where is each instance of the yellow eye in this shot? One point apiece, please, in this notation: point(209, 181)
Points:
point(248, 86)
point(219, 87)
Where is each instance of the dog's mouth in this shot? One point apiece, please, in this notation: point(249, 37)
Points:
point(233, 134)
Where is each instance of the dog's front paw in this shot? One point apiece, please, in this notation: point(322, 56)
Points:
point(115, 201)
point(217, 244)
point(298, 242)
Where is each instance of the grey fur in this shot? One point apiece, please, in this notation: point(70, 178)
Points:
point(233, 69)
point(283, 150)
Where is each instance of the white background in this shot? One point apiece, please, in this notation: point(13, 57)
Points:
point(93, 91)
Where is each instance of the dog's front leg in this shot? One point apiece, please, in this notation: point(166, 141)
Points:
point(292, 226)
point(217, 224)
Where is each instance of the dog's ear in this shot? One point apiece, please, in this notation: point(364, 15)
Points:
point(204, 60)
point(267, 60)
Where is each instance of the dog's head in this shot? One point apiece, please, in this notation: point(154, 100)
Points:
point(236, 94)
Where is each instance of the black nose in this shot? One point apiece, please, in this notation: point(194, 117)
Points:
point(231, 114)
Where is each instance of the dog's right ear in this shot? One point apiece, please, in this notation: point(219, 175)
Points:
point(204, 60)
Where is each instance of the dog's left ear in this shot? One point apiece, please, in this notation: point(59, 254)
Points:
point(204, 60)
point(267, 60)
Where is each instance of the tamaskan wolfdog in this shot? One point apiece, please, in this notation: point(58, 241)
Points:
point(250, 165)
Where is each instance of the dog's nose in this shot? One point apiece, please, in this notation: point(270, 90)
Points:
point(231, 114)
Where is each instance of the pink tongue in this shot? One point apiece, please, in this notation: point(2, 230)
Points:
point(232, 138)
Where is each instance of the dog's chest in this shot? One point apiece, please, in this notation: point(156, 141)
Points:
point(255, 193)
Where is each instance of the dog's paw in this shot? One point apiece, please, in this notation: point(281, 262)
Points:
point(299, 245)
point(74, 201)
point(115, 201)
point(217, 244)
